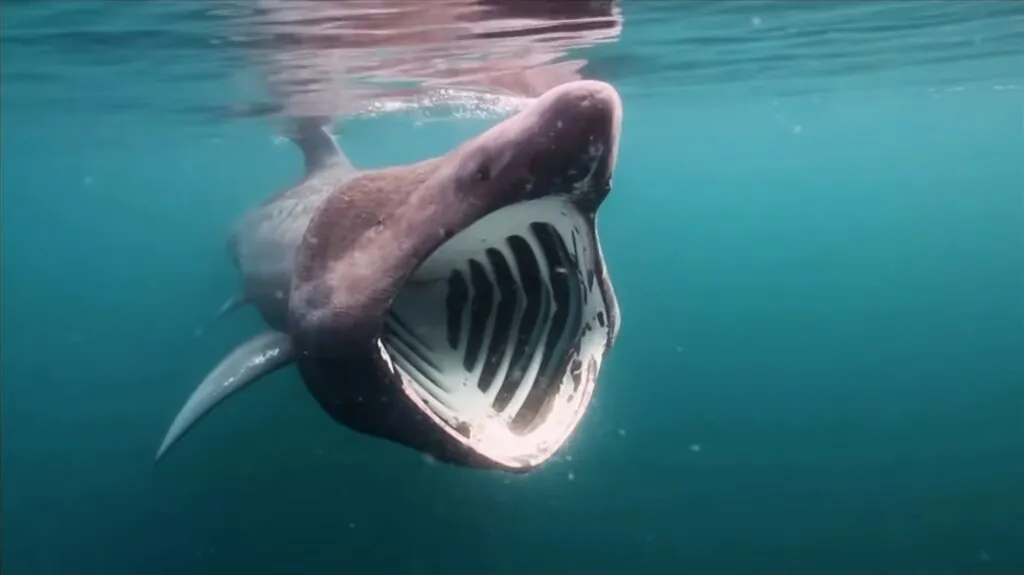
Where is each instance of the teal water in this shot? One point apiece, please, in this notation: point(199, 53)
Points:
point(816, 236)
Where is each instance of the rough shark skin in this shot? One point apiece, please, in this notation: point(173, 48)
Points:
point(459, 306)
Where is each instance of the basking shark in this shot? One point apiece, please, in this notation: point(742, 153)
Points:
point(459, 306)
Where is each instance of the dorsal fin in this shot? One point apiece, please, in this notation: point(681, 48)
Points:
point(319, 149)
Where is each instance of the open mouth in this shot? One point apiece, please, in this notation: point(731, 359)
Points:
point(499, 334)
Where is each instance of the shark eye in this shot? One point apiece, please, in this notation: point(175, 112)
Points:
point(483, 173)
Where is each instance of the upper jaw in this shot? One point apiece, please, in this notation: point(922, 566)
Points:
point(566, 143)
point(587, 117)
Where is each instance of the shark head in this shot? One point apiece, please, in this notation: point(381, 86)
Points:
point(461, 306)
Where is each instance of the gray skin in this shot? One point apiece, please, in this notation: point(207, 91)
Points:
point(266, 239)
point(323, 261)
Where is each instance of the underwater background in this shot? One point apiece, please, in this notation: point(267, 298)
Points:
point(816, 235)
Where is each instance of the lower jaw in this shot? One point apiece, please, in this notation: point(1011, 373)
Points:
point(491, 438)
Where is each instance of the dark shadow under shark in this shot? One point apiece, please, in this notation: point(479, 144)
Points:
point(459, 306)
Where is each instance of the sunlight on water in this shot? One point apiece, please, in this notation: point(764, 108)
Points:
point(458, 104)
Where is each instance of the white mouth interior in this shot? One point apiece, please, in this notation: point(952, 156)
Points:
point(501, 332)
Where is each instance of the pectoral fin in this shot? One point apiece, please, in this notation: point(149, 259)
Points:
point(248, 362)
point(234, 302)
